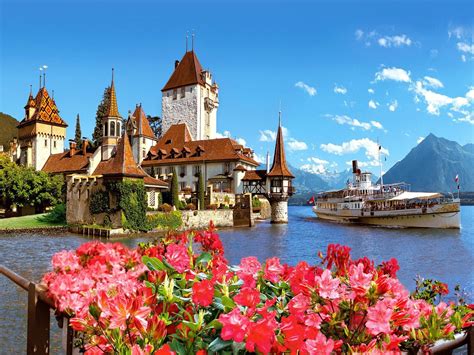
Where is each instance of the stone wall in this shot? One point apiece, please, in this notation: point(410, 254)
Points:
point(200, 219)
point(181, 109)
point(279, 211)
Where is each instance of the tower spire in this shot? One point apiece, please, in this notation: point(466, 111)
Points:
point(113, 108)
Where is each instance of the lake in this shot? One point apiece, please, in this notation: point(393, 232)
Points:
point(447, 255)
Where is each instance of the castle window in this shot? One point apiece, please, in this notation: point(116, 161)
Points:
point(191, 89)
point(158, 172)
point(182, 171)
point(143, 153)
point(112, 128)
point(144, 141)
point(175, 94)
point(45, 142)
point(182, 185)
point(196, 169)
point(118, 129)
point(183, 92)
point(106, 130)
point(226, 168)
point(54, 144)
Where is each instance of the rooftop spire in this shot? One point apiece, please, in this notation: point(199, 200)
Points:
point(279, 167)
point(113, 108)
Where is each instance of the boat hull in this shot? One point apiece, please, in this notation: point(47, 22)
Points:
point(447, 219)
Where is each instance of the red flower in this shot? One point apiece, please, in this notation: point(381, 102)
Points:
point(234, 325)
point(248, 269)
point(273, 270)
point(177, 256)
point(248, 297)
point(203, 293)
point(338, 255)
point(164, 350)
point(390, 267)
point(294, 334)
point(261, 336)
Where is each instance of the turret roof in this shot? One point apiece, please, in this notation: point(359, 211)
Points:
point(143, 126)
point(279, 167)
point(46, 110)
point(188, 72)
point(112, 109)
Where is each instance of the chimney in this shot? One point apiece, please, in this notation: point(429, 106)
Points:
point(268, 162)
point(354, 167)
point(85, 143)
point(72, 148)
point(176, 63)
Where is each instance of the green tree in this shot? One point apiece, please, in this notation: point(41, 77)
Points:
point(156, 125)
point(201, 191)
point(175, 190)
point(78, 133)
point(100, 113)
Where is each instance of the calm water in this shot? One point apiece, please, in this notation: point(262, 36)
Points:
point(447, 255)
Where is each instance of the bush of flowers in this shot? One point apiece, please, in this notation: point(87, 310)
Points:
point(179, 295)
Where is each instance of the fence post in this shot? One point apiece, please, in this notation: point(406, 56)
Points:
point(38, 323)
point(67, 336)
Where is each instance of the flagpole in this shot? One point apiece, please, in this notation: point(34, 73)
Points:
point(380, 163)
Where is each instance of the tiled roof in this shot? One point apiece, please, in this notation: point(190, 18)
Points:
point(30, 102)
point(112, 109)
point(63, 163)
point(188, 72)
point(148, 180)
point(279, 167)
point(142, 124)
point(122, 162)
point(255, 175)
point(239, 168)
point(177, 139)
point(46, 110)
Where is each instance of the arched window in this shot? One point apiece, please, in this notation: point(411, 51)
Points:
point(112, 128)
point(106, 130)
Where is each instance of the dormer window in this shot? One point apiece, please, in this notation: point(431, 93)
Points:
point(199, 150)
point(161, 153)
point(174, 152)
point(185, 152)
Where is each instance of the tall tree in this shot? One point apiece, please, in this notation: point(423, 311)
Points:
point(200, 191)
point(100, 113)
point(175, 190)
point(78, 134)
point(156, 125)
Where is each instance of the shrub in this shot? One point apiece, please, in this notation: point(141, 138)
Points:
point(171, 297)
point(256, 203)
point(212, 206)
point(99, 202)
point(56, 216)
point(190, 207)
point(165, 208)
point(168, 221)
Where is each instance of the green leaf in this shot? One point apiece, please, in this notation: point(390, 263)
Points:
point(228, 302)
point(237, 347)
point(94, 311)
point(154, 264)
point(218, 304)
point(219, 344)
point(215, 324)
point(178, 347)
point(204, 258)
point(192, 326)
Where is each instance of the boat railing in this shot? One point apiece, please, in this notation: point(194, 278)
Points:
point(38, 320)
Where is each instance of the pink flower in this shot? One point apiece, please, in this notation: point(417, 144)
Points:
point(320, 345)
point(299, 305)
point(234, 325)
point(273, 270)
point(378, 318)
point(248, 297)
point(327, 285)
point(177, 256)
point(248, 269)
point(360, 281)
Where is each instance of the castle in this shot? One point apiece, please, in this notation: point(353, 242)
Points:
point(188, 145)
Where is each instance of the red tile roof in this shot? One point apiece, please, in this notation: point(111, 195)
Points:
point(148, 180)
point(122, 163)
point(279, 167)
point(46, 110)
point(63, 163)
point(177, 138)
point(255, 175)
point(188, 72)
point(239, 168)
point(142, 124)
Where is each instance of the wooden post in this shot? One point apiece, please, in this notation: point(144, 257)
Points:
point(470, 340)
point(67, 336)
point(38, 323)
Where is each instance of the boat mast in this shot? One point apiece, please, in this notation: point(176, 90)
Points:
point(380, 164)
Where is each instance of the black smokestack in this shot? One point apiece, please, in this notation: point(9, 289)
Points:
point(354, 166)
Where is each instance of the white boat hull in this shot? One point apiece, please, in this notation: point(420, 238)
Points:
point(447, 217)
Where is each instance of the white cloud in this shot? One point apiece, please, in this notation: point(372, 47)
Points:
point(432, 82)
point(226, 134)
point(268, 135)
point(394, 41)
point(294, 145)
point(465, 47)
point(373, 104)
point(371, 91)
point(311, 91)
point(457, 32)
point(316, 166)
point(258, 158)
point(359, 34)
point(340, 89)
point(393, 105)
point(355, 123)
point(470, 93)
point(436, 101)
point(353, 146)
point(316, 160)
point(396, 74)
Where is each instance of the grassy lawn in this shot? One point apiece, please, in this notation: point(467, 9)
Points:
point(25, 222)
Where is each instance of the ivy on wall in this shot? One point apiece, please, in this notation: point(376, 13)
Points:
point(99, 202)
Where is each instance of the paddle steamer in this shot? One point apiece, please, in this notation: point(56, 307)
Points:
point(391, 205)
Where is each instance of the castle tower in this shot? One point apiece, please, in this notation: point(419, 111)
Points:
point(111, 125)
point(279, 188)
point(140, 134)
point(190, 96)
point(42, 131)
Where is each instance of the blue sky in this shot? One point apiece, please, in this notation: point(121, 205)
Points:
point(319, 59)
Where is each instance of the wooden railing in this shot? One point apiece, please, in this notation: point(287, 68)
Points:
point(39, 305)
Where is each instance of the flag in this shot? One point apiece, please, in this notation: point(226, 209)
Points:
point(311, 200)
point(456, 179)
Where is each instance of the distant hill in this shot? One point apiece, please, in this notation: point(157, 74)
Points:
point(433, 164)
point(308, 182)
point(8, 129)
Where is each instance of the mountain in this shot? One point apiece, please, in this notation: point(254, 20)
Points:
point(8, 131)
point(305, 182)
point(433, 164)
